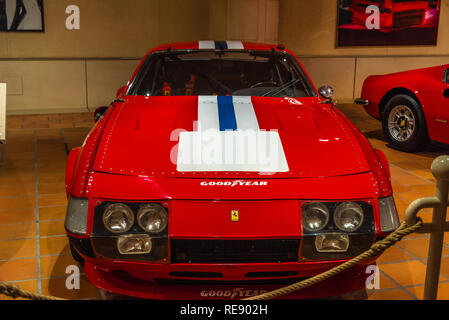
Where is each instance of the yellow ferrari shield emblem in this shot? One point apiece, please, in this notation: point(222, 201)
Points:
point(235, 216)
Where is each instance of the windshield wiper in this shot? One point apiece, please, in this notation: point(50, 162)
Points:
point(281, 88)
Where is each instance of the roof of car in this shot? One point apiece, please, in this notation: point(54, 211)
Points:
point(212, 44)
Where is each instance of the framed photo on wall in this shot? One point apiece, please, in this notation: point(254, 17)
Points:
point(388, 22)
point(21, 16)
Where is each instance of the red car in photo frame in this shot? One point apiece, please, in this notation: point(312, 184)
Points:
point(394, 14)
point(158, 211)
point(412, 105)
point(388, 22)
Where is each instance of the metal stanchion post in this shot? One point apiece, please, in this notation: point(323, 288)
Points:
point(440, 169)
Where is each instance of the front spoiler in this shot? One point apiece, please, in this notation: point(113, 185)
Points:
point(349, 281)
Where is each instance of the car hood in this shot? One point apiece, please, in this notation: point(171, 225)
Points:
point(142, 135)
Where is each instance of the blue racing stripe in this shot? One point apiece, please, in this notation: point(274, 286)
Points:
point(226, 113)
point(222, 45)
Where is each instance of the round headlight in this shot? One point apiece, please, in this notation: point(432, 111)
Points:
point(152, 218)
point(348, 216)
point(118, 218)
point(315, 216)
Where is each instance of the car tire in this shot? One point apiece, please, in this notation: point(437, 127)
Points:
point(76, 256)
point(404, 124)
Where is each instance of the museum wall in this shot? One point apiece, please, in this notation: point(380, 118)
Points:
point(71, 71)
point(66, 71)
point(309, 28)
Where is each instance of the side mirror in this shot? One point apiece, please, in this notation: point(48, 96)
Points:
point(326, 92)
point(120, 92)
point(99, 112)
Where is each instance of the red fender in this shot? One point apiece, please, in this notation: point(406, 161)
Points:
point(70, 168)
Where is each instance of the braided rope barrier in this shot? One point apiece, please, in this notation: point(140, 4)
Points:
point(375, 250)
point(15, 292)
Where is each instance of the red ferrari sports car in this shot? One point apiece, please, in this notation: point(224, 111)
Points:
point(413, 106)
point(220, 172)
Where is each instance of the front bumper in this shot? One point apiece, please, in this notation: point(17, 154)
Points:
point(372, 108)
point(211, 274)
point(362, 102)
point(151, 281)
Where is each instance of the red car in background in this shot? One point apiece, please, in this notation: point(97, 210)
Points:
point(394, 14)
point(152, 217)
point(413, 106)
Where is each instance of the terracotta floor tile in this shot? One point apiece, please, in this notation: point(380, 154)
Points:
point(386, 283)
point(426, 216)
point(53, 200)
point(26, 215)
point(51, 228)
point(52, 178)
point(413, 165)
point(18, 164)
point(443, 291)
point(57, 287)
point(52, 213)
point(425, 174)
point(418, 247)
point(410, 195)
point(446, 238)
point(445, 267)
point(18, 249)
point(425, 190)
point(43, 135)
point(19, 179)
point(51, 188)
point(30, 286)
point(394, 254)
point(17, 190)
point(55, 266)
point(399, 187)
point(54, 245)
point(410, 273)
point(11, 203)
point(17, 231)
point(52, 167)
point(21, 269)
point(45, 155)
point(397, 294)
point(406, 179)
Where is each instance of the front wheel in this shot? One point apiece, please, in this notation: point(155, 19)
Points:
point(404, 124)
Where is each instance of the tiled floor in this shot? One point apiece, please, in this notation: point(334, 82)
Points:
point(34, 252)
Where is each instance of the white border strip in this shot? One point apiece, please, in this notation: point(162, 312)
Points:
point(208, 113)
point(245, 114)
point(235, 45)
point(206, 44)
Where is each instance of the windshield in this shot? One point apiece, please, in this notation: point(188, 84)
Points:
point(240, 73)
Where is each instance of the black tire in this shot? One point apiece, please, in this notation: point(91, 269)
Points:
point(416, 136)
point(76, 255)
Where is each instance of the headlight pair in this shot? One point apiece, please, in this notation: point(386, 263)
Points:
point(347, 217)
point(119, 218)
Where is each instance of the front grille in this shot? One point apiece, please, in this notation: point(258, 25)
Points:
point(234, 251)
point(407, 19)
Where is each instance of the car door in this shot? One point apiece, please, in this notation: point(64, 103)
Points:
point(437, 108)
